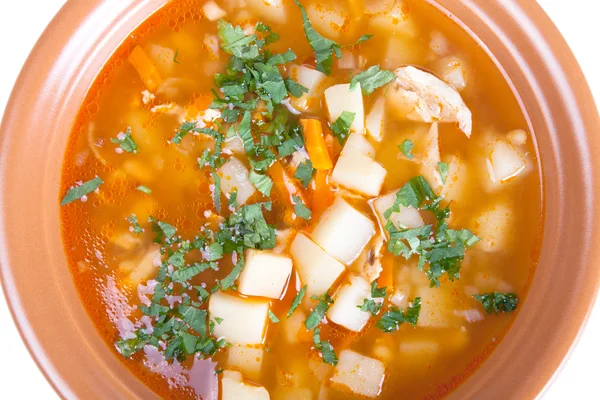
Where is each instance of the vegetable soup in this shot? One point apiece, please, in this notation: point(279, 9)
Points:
point(301, 200)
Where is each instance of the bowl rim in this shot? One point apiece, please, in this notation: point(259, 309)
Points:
point(546, 42)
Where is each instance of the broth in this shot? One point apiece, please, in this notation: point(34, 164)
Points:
point(135, 132)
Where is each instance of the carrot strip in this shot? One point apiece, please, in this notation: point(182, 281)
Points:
point(322, 195)
point(145, 68)
point(315, 144)
point(386, 278)
point(287, 185)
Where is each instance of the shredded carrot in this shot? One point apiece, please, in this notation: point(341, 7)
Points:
point(322, 195)
point(287, 185)
point(315, 144)
point(386, 278)
point(145, 68)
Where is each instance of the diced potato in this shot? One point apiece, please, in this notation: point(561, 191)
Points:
point(329, 19)
point(243, 320)
point(517, 137)
point(390, 17)
point(343, 231)
point(283, 393)
point(212, 11)
point(401, 50)
point(265, 274)
point(345, 310)
point(383, 348)
point(456, 180)
point(234, 177)
point(437, 308)
point(407, 217)
point(162, 58)
point(340, 98)
point(211, 44)
point(234, 388)
point(317, 269)
point(401, 295)
point(375, 120)
point(292, 370)
point(312, 80)
point(494, 226)
point(419, 349)
point(126, 241)
point(504, 162)
point(145, 68)
point(246, 359)
point(320, 370)
point(294, 329)
point(439, 44)
point(358, 144)
point(348, 60)
point(360, 173)
point(142, 269)
point(453, 72)
point(270, 10)
point(360, 374)
point(235, 145)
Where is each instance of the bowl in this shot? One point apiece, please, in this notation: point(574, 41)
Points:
point(518, 36)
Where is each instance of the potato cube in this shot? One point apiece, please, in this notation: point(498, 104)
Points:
point(359, 172)
point(294, 329)
point(345, 310)
point(317, 269)
point(343, 231)
point(265, 274)
point(246, 359)
point(243, 320)
point(362, 375)
point(212, 11)
point(495, 226)
point(407, 217)
point(310, 78)
point(375, 120)
point(234, 177)
point(330, 19)
point(358, 144)
point(340, 98)
point(437, 308)
point(270, 10)
point(505, 162)
point(141, 270)
point(234, 388)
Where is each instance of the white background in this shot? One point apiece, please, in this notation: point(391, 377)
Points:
point(22, 22)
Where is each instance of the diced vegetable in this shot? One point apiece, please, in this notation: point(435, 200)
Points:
point(504, 162)
point(375, 118)
point(439, 44)
point(315, 143)
point(322, 195)
point(419, 350)
point(343, 231)
point(142, 269)
point(234, 388)
point(453, 72)
point(358, 144)
point(212, 11)
point(360, 173)
point(345, 310)
point(162, 57)
point(495, 227)
point(348, 60)
point(312, 80)
point(340, 98)
point(269, 10)
point(437, 308)
point(235, 145)
point(145, 68)
point(429, 99)
point(317, 269)
point(329, 19)
point(247, 359)
point(265, 274)
point(294, 329)
point(234, 178)
point(456, 181)
point(401, 50)
point(288, 186)
point(243, 321)
point(360, 374)
point(390, 17)
point(407, 217)
point(517, 137)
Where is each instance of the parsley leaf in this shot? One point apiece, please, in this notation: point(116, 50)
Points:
point(230, 279)
point(391, 320)
point(323, 47)
point(443, 169)
point(187, 273)
point(294, 87)
point(245, 133)
point(341, 126)
point(135, 225)
point(300, 209)
point(304, 173)
point(194, 317)
point(297, 300)
point(175, 57)
point(262, 183)
point(318, 313)
point(273, 317)
point(325, 348)
point(217, 191)
point(125, 141)
point(371, 79)
point(406, 148)
point(234, 41)
point(144, 189)
point(370, 305)
point(82, 190)
point(496, 302)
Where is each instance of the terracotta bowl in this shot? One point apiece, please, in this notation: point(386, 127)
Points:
point(516, 33)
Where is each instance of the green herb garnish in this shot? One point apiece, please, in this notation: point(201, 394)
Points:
point(84, 189)
point(318, 313)
point(443, 169)
point(273, 317)
point(391, 320)
point(297, 300)
point(496, 302)
point(300, 209)
point(325, 348)
point(371, 79)
point(144, 189)
point(341, 126)
point(406, 148)
point(135, 225)
point(305, 173)
point(125, 141)
point(262, 183)
point(370, 305)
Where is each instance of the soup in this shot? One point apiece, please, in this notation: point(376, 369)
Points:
point(326, 200)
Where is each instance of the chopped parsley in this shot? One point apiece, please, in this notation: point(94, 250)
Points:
point(325, 348)
point(230, 279)
point(370, 305)
point(82, 190)
point(341, 126)
point(297, 300)
point(391, 320)
point(443, 169)
point(217, 191)
point(305, 173)
point(318, 313)
point(406, 148)
point(125, 141)
point(372, 79)
point(175, 57)
point(261, 182)
point(135, 225)
point(300, 209)
point(144, 189)
point(273, 317)
point(496, 302)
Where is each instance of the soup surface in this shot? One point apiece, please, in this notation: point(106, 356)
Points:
point(326, 200)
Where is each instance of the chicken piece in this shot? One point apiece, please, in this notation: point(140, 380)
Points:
point(424, 97)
